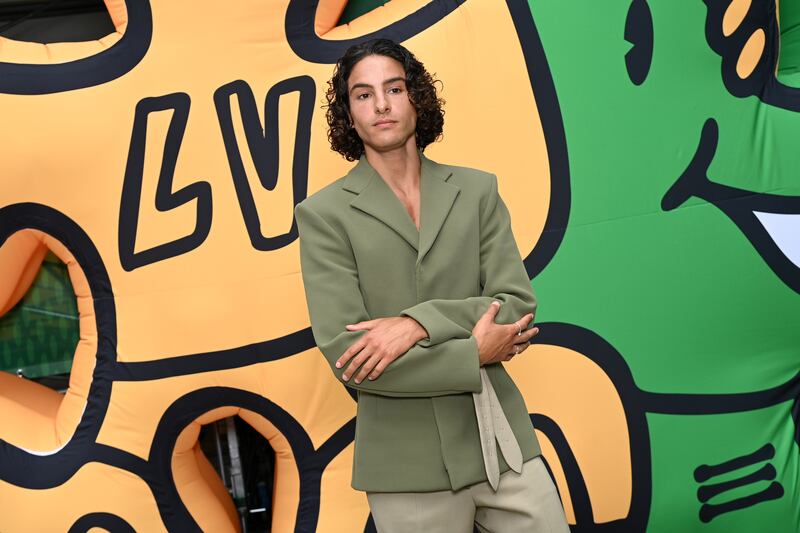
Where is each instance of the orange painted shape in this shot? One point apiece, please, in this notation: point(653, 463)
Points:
point(328, 14)
point(95, 487)
point(341, 507)
point(200, 487)
point(751, 54)
point(378, 18)
point(734, 16)
point(28, 413)
point(571, 389)
point(286, 491)
point(549, 453)
point(20, 257)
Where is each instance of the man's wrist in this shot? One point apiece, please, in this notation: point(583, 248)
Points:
point(420, 332)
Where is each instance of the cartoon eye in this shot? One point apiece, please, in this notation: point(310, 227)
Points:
point(639, 32)
point(756, 47)
point(753, 48)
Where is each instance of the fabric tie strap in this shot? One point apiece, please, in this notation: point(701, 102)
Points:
point(493, 425)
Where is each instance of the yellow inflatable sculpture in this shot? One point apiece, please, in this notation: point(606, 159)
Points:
point(162, 164)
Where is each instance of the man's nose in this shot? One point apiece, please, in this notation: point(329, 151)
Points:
point(381, 104)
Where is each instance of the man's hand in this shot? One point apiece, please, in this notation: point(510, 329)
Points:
point(500, 342)
point(387, 339)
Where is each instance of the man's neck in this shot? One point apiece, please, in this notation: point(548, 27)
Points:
point(400, 168)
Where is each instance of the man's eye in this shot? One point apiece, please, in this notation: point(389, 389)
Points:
point(396, 90)
point(362, 96)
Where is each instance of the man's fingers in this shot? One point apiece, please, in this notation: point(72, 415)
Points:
point(527, 334)
point(367, 367)
point(350, 352)
point(518, 349)
point(519, 328)
point(354, 364)
point(379, 368)
point(521, 347)
point(524, 321)
point(364, 324)
point(491, 312)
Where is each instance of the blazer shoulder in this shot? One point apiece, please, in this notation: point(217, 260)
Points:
point(480, 181)
point(469, 175)
point(328, 200)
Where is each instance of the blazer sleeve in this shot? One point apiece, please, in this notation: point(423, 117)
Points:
point(503, 277)
point(334, 299)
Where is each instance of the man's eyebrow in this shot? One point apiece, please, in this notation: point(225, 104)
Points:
point(385, 82)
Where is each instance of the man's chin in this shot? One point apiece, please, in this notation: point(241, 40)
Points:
point(388, 145)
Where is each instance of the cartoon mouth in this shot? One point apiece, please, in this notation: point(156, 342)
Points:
point(769, 221)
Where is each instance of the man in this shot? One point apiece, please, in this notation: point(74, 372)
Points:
point(443, 438)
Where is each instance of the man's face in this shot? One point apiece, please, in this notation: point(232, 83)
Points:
point(382, 114)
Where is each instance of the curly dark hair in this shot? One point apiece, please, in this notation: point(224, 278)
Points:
point(421, 92)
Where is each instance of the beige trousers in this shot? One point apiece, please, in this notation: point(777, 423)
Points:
point(524, 503)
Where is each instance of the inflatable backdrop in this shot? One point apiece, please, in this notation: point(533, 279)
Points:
point(646, 150)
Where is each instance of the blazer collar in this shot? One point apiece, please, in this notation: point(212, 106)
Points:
point(376, 198)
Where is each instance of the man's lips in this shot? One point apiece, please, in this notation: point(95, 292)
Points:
point(384, 122)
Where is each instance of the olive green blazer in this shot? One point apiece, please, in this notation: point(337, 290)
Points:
point(362, 258)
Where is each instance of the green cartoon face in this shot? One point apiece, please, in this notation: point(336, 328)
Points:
point(757, 185)
point(682, 250)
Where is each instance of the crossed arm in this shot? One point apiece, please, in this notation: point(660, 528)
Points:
point(389, 338)
point(444, 357)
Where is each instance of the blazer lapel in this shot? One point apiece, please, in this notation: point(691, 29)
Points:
point(437, 197)
point(376, 198)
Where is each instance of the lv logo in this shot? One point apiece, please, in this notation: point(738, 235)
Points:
point(262, 143)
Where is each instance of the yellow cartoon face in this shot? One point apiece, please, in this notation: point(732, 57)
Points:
point(174, 152)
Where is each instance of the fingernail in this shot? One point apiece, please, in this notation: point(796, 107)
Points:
point(358, 380)
point(338, 365)
point(496, 302)
point(345, 377)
